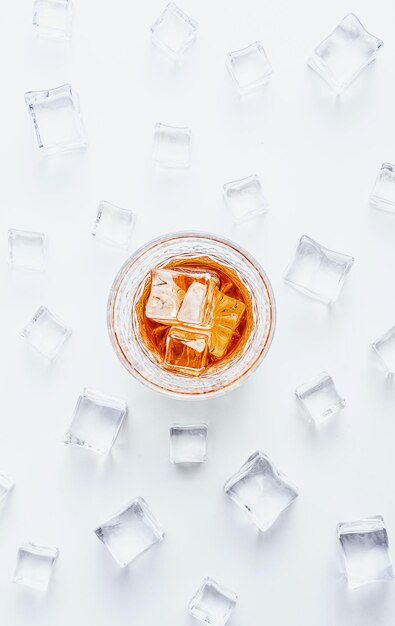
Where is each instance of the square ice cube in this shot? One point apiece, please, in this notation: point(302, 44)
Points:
point(56, 118)
point(319, 397)
point(188, 444)
point(212, 603)
point(172, 146)
point(46, 333)
point(53, 18)
point(383, 194)
point(113, 224)
point(249, 67)
point(245, 197)
point(317, 271)
point(345, 53)
point(6, 484)
point(385, 349)
point(165, 297)
point(26, 249)
point(173, 31)
point(186, 350)
point(96, 421)
point(259, 489)
point(366, 551)
point(34, 565)
point(131, 531)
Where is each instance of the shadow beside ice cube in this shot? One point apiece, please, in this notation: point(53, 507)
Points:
point(46, 333)
point(319, 398)
point(383, 194)
point(317, 271)
point(53, 18)
point(366, 551)
point(188, 444)
point(213, 603)
point(249, 67)
point(34, 565)
point(260, 490)
point(56, 119)
point(345, 53)
point(173, 31)
point(96, 421)
point(130, 532)
point(26, 249)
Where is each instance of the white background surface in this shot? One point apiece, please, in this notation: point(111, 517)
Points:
point(318, 157)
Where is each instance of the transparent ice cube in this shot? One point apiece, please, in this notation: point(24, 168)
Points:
point(53, 18)
point(383, 194)
point(6, 484)
point(213, 603)
point(56, 118)
point(46, 333)
point(172, 146)
point(249, 67)
point(187, 350)
point(345, 53)
point(173, 31)
point(366, 551)
point(131, 531)
point(259, 489)
point(26, 249)
point(188, 444)
point(113, 224)
point(96, 421)
point(34, 565)
point(317, 271)
point(165, 297)
point(319, 397)
point(197, 306)
point(245, 197)
point(385, 349)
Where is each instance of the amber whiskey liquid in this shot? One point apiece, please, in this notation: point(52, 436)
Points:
point(194, 315)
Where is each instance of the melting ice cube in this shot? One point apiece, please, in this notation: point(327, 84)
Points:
point(186, 350)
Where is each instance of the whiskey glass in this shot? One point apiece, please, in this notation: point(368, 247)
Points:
point(124, 317)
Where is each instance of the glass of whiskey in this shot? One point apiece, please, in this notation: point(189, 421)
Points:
point(191, 315)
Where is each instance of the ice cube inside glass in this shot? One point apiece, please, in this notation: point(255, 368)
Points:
point(56, 119)
point(345, 53)
point(113, 224)
point(6, 484)
point(53, 18)
point(366, 551)
point(383, 194)
point(319, 397)
point(245, 197)
point(260, 490)
point(46, 333)
point(173, 31)
point(213, 603)
point(96, 421)
point(172, 146)
point(317, 271)
point(34, 565)
point(26, 249)
point(249, 67)
point(188, 444)
point(130, 532)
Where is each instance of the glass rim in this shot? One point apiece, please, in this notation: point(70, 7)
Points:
point(150, 245)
